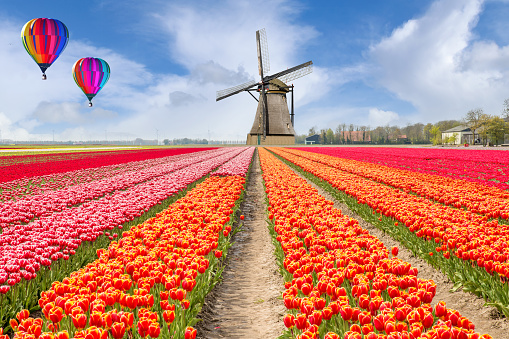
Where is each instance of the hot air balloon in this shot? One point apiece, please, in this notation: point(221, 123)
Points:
point(44, 39)
point(91, 74)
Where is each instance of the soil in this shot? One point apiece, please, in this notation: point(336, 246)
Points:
point(487, 320)
point(247, 303)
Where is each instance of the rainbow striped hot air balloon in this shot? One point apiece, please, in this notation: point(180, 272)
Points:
point(91, 74)
point(44, 39)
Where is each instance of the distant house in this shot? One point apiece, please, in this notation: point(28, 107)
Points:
point(462, 135)
point(313, 139)
point(402, 139)
point(356, 136)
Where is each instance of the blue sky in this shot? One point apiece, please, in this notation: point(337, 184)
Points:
point(375, 63)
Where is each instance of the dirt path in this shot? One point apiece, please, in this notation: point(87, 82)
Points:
point(486, 319)
point(247, 304)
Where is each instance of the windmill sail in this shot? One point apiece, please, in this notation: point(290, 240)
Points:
point(225, 93)
point(298, 73)
point(306, 68)
point(263, 52)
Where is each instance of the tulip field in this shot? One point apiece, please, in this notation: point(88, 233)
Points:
point(128, 244)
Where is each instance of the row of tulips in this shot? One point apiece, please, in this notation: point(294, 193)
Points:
point(238, 165)
point(19, 188)
point(470, 249)
point(487, 167)
point(24, 248)
point(340, 280)
point(50, 243)
point(28, 166)
point(24, 210)
point(479, 198)
point(152, 282)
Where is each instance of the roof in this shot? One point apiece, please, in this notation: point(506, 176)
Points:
point(313, 137)
point(460, 128)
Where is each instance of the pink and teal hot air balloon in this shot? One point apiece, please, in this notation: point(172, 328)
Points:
point(91, 74)
point(44, 39)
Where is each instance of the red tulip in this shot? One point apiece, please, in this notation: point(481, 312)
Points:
point(79, 321)
point(289, 320)
point(154, 330)
point(394, 250)
point(118, 330)
point(190, 333)
point(301, 321)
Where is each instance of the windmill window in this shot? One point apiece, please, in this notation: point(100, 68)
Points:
point(288, 126)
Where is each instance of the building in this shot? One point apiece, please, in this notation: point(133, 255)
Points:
point(356, 136)
point(462, 135)
point(313, 139)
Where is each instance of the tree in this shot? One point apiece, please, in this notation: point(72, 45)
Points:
point(363, 130)
point(166, 141)
point(484, 121)
point(496, 129)
point(394, 133)
point(444, 125)
point(330, 136)
point(323, 136)
point(338, 134)
point(474, 119)
point(378, 135)
point(436, 135)
point(427, 130)
point(350, 132)
point(452, 139)
point(312, 131)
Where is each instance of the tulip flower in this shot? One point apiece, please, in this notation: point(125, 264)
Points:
point(289, 320)
point(118, 330)
point(79, 321)
point(62, 335)
point(394, 250)
point(301, 321)
point(154, 330)
point(190, 333)
point(56, 314)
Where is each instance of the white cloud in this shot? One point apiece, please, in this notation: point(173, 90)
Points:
point(437, 64)
point(378, 117)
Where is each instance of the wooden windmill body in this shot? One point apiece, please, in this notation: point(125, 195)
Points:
point(273, 124)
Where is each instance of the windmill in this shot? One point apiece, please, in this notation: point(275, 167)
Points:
point(273, 124)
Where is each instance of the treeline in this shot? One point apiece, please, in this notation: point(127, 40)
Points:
point(354, 134)
point(486, 129)
point(185, 141)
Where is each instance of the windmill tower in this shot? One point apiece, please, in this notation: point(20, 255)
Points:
point(272, 124)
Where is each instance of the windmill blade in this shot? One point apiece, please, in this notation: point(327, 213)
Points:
point(265, 119)
point(292, 73)
point(225, 93)
point(263, 52)
point(296, 74)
